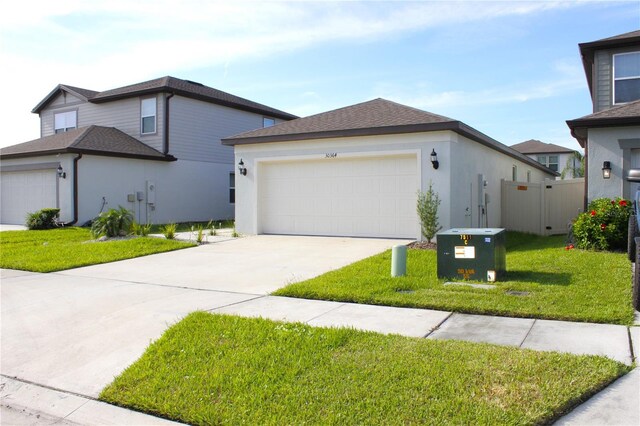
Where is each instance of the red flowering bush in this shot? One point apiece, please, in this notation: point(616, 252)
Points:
point(604, 227)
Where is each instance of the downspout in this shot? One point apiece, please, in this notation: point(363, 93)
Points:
point(75, 192)
point(165, 148)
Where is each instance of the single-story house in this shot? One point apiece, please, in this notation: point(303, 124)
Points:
point(610, 135)
point(356, 171)
point(151, 147)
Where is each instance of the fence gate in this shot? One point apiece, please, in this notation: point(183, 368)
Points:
point(545, 208)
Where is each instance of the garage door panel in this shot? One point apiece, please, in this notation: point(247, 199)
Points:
point(25, 192)
point(351, 197)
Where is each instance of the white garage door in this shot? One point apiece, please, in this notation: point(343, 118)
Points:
point(26, 192)
point(367, 197)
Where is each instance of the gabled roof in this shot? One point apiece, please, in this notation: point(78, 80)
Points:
point(618, 116)
point(376, 117)
point(93, 140)
point(186, 88)
point(534, 146)
point(587, 50)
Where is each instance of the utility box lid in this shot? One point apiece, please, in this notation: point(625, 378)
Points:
point(472, 254)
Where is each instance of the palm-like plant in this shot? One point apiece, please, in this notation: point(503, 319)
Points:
point(575, 165)
point(112, 223)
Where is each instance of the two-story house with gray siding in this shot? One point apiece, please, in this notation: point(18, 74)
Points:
point(558, 158)
point(152, 147)
point(611, 134)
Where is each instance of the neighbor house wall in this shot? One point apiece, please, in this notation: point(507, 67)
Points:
point(563, 160)
point(185, 190)
point(611, 144)
point(122, 114)
point(197, 127)
point(603, 77)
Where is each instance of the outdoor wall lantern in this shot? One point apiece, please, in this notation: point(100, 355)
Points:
point(606, 170)
point(241, 168)
point(61, 173)
point(434, 159)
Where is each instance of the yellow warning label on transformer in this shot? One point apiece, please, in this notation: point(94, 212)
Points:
point(465, 252)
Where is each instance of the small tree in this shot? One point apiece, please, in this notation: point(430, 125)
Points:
point(575, 165)
point(427, 208)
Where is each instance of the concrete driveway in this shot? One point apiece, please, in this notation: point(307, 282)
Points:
point(76, 330)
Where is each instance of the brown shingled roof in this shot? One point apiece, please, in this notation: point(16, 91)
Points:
point(93, 140)
point(534, 146)
point(186, 88)
point(359, 119)
point(376, 117)
point(622, 115)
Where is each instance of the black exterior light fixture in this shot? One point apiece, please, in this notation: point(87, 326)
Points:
point(434, 159)
point(241, 168)
point(606, 170)
point(61, 173)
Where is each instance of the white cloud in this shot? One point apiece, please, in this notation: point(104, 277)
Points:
point(102, 44)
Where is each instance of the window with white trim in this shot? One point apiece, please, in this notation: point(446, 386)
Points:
point(65, 121)
point(148, 116)
point(232, 188)
point(528, 175)
point(514, 173)
point(550, 161)
point(268, 122)
point(626, 77)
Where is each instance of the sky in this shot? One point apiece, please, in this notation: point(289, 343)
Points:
point(510, 69)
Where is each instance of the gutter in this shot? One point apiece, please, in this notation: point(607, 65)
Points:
point(165, 144)
point(75, 192)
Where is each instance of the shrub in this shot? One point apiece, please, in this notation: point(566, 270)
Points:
point(139, 229)
point(169, 231)
point(427, 208)
point(43, 219)
point(112, 223)
point(604, 225)
point(200, 235)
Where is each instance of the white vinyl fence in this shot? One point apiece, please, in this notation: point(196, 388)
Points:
point(545, 208)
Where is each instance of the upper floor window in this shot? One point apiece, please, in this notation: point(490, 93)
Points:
point(626, 77)
point(65, 121)
point(148, 116)
point(268, 122)
point(551, 161)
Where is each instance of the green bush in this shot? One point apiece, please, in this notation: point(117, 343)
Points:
point(112, 223)
point(169, 230)
point(140, 229)
point(604, 225)
point(43, 219)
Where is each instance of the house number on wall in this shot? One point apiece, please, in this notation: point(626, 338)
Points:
point(331, 155)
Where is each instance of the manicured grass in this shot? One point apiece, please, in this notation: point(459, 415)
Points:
point(562, 284)
point(188, 226)
point(59, 249)
point(216, 369)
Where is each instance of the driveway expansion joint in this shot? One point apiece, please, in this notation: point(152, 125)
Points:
point(325, 313)
point(238, 303)
point(528, 332)
point(53, 388)
point(438, 326)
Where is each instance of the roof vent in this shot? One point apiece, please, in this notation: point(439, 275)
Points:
point(195, 82)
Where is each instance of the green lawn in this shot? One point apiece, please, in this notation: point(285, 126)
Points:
point(217, 369)
point(562, 284)
point(60, 249)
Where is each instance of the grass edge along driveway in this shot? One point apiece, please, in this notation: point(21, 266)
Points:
point(73, 247)
point(543, 281)
point(219, 369)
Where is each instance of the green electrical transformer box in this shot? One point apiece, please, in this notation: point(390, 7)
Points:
point(472, 254)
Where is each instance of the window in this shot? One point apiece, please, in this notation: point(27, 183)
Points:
point(148, 116)
point(551, 161)
point(528, 175)
point(268, 122)
point(626, 77)
point(514, 173)
point(65, 121)
point(232, 188)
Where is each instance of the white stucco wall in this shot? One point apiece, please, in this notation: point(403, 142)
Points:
point(603, 144)
point(460, 162)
